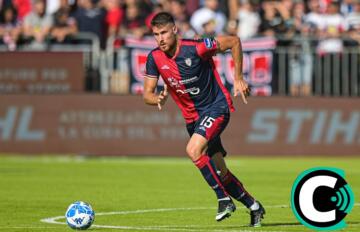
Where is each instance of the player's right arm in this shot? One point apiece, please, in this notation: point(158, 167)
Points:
point(150, 97)
point(150, 83)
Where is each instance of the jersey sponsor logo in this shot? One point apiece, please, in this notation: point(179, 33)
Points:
point(209, 43)
point(173, 82)
point(177, 83)
point(191, 91)
point(188, 62)
point(188, 81)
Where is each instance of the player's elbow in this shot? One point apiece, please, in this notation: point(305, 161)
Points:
point(235, 41)
point(229, 42)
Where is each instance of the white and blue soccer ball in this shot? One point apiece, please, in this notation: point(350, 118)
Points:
point(80, 215)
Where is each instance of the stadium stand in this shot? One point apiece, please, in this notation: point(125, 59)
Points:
point(316, 50)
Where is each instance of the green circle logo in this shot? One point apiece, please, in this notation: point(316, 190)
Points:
point(321, 198)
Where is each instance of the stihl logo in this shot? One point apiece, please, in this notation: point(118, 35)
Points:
point(16, 123)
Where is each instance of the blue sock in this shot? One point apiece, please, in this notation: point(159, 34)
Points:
point(207, 169)
point(236, 189)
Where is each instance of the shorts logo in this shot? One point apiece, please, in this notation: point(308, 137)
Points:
point(321, 198)
point(208, 43)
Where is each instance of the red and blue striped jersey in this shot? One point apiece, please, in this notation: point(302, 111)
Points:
point(191, 76)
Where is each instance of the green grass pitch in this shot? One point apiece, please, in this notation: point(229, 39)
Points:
point(152, 194)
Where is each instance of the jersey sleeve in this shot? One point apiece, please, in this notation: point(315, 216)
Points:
point(206, 48)
point(151, 68)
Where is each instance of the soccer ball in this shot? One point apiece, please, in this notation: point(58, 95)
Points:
point(80, 215)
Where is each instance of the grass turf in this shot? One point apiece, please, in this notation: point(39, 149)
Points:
point(33, 188)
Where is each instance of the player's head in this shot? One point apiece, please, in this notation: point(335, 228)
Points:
point(164, 30)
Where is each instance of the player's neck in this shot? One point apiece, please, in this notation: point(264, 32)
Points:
point(173, 50)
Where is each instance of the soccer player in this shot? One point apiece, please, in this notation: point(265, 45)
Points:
point(190, 77)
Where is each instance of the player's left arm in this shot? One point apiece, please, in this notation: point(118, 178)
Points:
point(234, 44)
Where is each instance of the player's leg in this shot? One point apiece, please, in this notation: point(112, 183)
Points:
point(201, 132)
point(196, 151)
point(232, 185)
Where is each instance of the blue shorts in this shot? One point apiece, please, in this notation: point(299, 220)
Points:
point(210, 125)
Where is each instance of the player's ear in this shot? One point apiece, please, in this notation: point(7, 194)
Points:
point(175, 29)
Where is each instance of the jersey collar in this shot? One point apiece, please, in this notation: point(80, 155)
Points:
point(179, 41)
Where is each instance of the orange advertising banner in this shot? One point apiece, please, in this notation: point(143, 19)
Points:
point(92, 124)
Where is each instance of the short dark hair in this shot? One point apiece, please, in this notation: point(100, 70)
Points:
point(162, 18)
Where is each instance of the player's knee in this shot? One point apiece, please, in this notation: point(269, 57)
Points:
point(193, 152)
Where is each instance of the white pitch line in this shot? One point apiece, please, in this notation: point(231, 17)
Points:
point(54, 220)
point(28, 227)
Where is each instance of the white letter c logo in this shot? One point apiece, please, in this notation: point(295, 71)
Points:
point(306, 198)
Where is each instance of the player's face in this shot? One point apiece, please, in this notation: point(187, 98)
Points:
point(165, 36)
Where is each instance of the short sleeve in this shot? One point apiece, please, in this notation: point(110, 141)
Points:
point(27, 20)
point(47, 21)
point(206, 48)
point(151, 68)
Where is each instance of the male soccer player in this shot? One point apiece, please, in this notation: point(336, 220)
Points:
point(190, 77)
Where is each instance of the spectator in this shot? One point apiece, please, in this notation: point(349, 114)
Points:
point(73, 6)
point(146, 6)
point(248, 19)
point(331, 26)
point(178, 11)
point(324, 4)
point(272, 18)
point(297, 19)
point(64, 26)
point(232, 27)
point(229, 8)
point(65, 4)
point(37, 25)
point(353, 22)
point(347, 7)
point(9, 27)
point(300, 56)
point(233, 6)
point(23, 8)
point(209, 28)
point(313, 19)
point(191, 6)
point(91, 19)
point(157, 8)
point(5, 4)
point(165, 4)
point(114, 16)
point(134, 23)
point(52, 6)
point(200, 19)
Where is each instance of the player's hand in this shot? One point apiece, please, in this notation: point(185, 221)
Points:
point(162, 97)
point(241, 88)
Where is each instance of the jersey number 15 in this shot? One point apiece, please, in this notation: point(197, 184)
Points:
point(207, 122)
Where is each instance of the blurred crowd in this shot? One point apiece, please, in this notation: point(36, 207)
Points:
point(37, 22)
